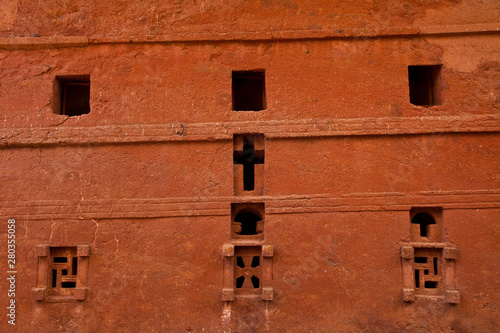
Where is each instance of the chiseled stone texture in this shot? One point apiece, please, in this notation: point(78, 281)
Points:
point(150, 17)
point(146, 178)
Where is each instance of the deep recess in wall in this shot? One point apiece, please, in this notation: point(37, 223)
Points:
point(74, 94)
point(426, 224)
point(249, 91)
point(249, 157)
point(247, 219)
point(248, 222)
point(424, 220)
point(425, 85)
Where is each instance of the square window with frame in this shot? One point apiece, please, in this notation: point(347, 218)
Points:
point(429, 271)
point(62, 273)
point(248, 271)
point(247, 221)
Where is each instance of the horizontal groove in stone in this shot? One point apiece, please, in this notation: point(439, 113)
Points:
point(150, 133)
point(220, 206)
point(77, 41)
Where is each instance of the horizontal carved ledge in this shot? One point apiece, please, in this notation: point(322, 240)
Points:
point(148, 133)
point(220, 206)
point(242, 36)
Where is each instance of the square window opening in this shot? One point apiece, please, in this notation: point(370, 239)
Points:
point(62, 273)
point(247, 220)
point(73, 93)
point(425, 85)
point(249, 91)
point(426, 224)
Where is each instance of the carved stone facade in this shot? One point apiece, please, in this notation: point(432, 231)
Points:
point(251, 166)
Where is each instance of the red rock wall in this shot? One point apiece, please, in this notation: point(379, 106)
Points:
point(150, 17)
point(146, 178)
point(160, 83)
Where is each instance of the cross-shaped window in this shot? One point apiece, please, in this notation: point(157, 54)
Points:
point(249, 157)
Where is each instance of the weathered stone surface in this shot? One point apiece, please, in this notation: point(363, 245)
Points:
point(142, 187)
point(149, 17)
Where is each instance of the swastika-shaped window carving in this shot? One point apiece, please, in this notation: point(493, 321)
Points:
point(62, 273)
point(427, 270)
point(63, 270)
point(428, 262)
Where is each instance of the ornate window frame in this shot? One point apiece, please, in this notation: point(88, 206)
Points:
point(42, 290)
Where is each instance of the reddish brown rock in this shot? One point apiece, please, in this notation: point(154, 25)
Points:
point(363, 196)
